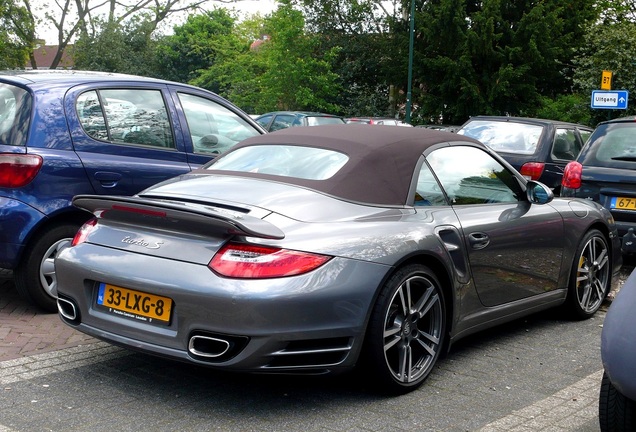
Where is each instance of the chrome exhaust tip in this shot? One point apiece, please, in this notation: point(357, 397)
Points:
point(207, 346)
point(67, 309)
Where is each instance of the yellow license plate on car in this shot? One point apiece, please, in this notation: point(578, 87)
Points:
point(134, 304)
point(623, 203)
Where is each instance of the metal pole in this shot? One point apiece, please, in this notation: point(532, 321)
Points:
point(407, 117)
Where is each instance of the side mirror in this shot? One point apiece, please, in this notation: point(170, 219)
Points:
point(538, 193)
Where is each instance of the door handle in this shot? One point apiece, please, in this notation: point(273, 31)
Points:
point(478, 240)
point(107, 179)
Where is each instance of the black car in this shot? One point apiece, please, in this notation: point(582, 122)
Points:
point(277, 120)
point(539, 149)
point(604, 172)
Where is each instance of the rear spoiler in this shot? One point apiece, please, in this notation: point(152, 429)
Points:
point(174, 214)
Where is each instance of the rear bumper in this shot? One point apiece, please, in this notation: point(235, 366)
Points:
point(311, 323)
point(17, 220)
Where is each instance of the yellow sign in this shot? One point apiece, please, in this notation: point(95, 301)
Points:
point(606, 80)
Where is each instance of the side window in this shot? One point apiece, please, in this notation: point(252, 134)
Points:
point(15, 114)
point(283, 121)
point(471, 176)
point(264, 121)
point(130, 116)
point(428, 192)
point(91, 116)
point(585, 135)
point(565, 144)
point(213, 127)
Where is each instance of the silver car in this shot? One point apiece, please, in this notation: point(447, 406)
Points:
point(313, 250)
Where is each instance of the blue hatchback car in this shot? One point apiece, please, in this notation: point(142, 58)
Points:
point(64, 133)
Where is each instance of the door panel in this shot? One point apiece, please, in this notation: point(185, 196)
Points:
point(514, 247)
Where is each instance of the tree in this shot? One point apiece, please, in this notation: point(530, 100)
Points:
point(87, 18)
point(607, 47)
point(123, 48)
point(196, 45)
point(14, 41)
point(288, 71)
point(371, 41)
point(496, 57)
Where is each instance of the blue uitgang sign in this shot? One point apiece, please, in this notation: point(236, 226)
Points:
point(611, 99)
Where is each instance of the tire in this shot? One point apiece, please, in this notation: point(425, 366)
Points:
point(590, 277)
point(406, 331)
point(34, 276)
point(616, 413)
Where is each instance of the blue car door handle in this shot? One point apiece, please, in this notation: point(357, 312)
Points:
point(478, 240)
point(107, 179)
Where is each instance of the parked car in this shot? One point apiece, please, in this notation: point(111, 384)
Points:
point(274, 121)
point(385, 121)
point(441, 127)
point(605, 172)
point(299, 261)
point(64, 133)
point(617, 399)
point(537, 148)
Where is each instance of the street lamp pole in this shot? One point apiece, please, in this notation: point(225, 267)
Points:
point(409, 94)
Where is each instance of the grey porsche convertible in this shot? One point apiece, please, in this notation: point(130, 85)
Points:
point(314, 250)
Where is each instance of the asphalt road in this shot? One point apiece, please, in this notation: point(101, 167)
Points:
point(538, 374)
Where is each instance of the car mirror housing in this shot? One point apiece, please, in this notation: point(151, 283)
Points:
point(538, 193)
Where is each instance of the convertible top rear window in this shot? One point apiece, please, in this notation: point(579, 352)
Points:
point(307, 163)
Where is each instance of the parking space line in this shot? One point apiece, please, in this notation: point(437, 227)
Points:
point(569, 409)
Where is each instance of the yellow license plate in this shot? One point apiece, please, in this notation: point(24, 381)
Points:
point(134, 304)
point(622, 203)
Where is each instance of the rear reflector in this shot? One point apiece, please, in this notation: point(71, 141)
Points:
point(246, 261)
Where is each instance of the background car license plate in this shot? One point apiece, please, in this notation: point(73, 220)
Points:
point(134, 304)
point(622, 203)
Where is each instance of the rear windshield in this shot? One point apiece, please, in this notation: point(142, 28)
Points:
point(315, 121)
point(15, 114)
point(612, 144)
point(284, 160)
point(504, 136)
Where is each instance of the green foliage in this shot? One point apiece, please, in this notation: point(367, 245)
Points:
point(607, 47)
point(15, 27)
point(127, 48)
point(495, 57)
point(287, 71)
point(573, 108)
point(198, 44)
point(527, 57)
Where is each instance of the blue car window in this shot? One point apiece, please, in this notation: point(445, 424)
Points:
point(15, 112)
point(91, 116)
point(130, 116)
point(213, 127)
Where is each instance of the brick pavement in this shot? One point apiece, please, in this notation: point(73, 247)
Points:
point(26, 330)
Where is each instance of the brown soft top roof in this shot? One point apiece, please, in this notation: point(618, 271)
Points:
point(381, 159)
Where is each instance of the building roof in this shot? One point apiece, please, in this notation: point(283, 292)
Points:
point(44, 55)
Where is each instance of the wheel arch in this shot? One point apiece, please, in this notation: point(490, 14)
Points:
point(71, 215)
point(443, 275)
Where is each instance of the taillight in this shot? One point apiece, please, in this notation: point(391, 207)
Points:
point(246, 261)
point(17, 170)
point(83, 232)
point(572, 175)
point(532, 170)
